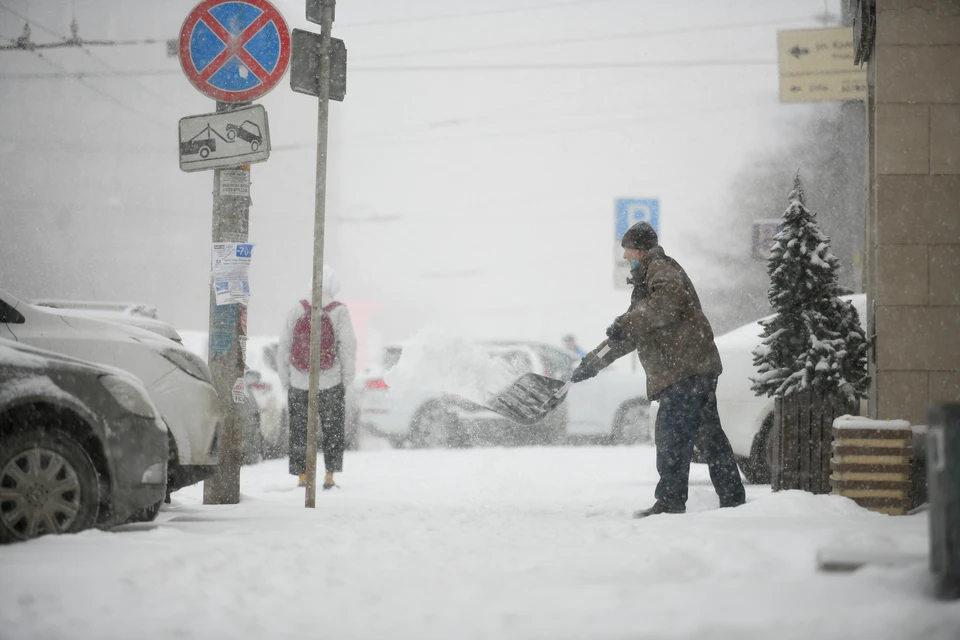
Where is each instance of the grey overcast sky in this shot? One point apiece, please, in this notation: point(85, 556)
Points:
point(474, 163)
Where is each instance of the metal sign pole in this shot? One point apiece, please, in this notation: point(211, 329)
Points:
point(313, 418)
point(231, 216)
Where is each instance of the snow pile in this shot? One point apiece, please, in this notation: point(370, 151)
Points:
point(473, 544)
point(859, 422)
point(435, 360)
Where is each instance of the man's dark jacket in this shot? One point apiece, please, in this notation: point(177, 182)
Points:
point(665, 324)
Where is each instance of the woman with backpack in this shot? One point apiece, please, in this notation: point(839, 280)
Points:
point(338, 350)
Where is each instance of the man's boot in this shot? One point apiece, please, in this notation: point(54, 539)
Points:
point(657, 508)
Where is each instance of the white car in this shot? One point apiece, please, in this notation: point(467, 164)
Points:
point(747, 418)
point(153, 325)
point(609, 408)
point(178, 381)
point(264, 385)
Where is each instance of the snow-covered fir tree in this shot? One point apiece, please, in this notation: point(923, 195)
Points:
point(814, 339)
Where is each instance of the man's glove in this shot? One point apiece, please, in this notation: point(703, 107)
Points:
point(616, 332)
point(583, 372)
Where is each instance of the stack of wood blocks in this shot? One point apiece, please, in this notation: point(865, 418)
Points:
point(871, 463)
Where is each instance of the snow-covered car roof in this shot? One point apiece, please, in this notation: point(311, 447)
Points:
point(132, 308)
point(126, 318)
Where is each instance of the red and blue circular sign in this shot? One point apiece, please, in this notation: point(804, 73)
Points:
point(234, 50)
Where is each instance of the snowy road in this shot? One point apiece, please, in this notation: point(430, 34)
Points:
point(483, 543)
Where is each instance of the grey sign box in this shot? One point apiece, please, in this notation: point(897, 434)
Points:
point(227, 139)
point(315, 10)
point(305, 65)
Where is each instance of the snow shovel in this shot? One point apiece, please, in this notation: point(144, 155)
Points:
point(532, 396)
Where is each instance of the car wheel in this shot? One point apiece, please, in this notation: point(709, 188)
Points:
point(231, 134)
point(48, 484)
point(254, 146)
point(433, 426)
point(632, 425)
point(759, 468)
point(204, 152)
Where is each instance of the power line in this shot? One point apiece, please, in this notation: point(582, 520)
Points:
point(24, 43)
point(572, 66)
point(601, 38)
point(82, 82)
point(471, 14)
point(74, 41)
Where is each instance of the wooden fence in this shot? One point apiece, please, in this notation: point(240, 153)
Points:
point(802, 437)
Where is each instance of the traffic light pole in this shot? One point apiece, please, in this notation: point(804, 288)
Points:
point(313, 418)
point(231, 223)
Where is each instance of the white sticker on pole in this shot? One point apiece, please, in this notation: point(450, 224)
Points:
point(239, 390)
point(234, 182)
point(230, 264)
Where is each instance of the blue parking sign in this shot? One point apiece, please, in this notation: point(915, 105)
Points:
point(629, 211)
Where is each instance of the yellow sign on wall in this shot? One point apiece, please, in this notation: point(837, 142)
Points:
point(817, 65)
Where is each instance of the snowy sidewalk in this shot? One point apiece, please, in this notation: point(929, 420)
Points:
point(483, 543)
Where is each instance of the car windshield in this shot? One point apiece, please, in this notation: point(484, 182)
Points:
point(559, 364)
point(391, 356)
point(519, 362)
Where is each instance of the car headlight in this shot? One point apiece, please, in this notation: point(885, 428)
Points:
point(128, 396)
point(189, 363)
point(155, 474)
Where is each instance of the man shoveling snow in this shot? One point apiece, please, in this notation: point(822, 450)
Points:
point(673, 338)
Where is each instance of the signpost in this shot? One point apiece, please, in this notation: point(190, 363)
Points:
point(233, 52)
point(311, 74)
point(627, 212)
point(230, 139)
point(817, 65)
point(762, 234)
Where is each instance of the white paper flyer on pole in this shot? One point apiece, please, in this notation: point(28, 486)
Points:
point(230, 264)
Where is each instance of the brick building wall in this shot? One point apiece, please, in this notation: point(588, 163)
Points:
point(913, 222)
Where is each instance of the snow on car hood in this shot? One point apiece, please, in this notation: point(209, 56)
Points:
point(435, 360)
point(38, 386)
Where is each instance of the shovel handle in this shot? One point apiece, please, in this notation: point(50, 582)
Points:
point(598, 356)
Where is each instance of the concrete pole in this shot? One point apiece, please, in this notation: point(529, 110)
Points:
point(323, 113)
point(231, 223)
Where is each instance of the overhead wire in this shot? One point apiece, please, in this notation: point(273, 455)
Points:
point(583, 39)
point(472, 14)
point(89, 54)
point(572, 66)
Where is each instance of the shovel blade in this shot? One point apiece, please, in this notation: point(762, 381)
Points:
point(528, 399)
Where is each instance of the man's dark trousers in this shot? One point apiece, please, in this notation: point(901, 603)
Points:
point(688, 412)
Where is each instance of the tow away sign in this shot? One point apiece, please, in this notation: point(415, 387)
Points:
point(227, 139)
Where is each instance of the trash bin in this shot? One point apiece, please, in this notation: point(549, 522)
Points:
point(943, 486)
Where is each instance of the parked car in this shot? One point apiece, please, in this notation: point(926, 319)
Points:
point(124, 316)
point(178, 381)
point(247, 131)
point(609, 408)
point(746, 418)
point(81, 445)
point(140, 309)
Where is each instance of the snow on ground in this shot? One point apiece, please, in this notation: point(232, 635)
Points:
point(477, 543)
